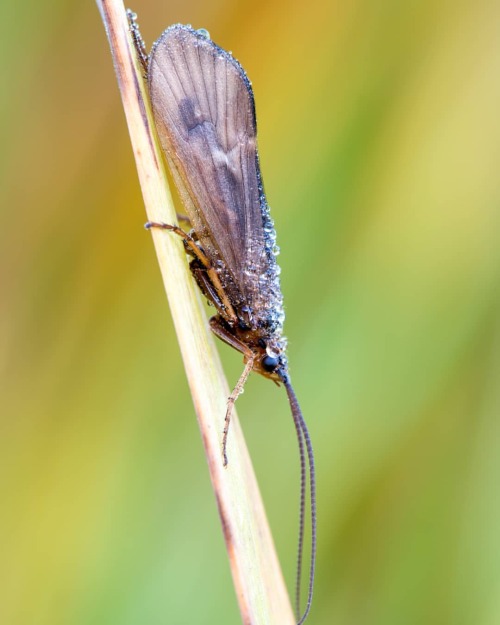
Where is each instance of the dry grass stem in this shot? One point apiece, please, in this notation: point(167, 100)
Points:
point(260, 588)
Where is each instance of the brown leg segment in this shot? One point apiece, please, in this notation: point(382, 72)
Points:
point(227, 311)
point(184, 218)
point(206, 287)
point(219, 330)
point(188, 240)
point(238, 389)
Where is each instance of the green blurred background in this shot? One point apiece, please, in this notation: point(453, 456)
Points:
point(380, 142)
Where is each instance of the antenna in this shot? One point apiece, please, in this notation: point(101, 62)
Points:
point(303, 439)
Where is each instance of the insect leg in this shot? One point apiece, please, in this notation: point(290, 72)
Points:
point(183, 218)
point(188, 239)
point(207, 288)
point(198, 253)
point(219, 330)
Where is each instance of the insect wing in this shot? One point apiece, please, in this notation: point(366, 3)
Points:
point(205, 116)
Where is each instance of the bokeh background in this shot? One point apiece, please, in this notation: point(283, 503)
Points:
point(380, 142)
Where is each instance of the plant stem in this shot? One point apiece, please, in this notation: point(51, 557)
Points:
point(260, 589)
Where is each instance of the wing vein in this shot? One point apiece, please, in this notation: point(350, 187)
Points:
point(205, 84)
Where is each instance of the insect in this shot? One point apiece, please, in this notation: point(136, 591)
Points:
point(204, 113)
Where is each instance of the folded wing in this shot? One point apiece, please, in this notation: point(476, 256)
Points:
point(204, 113)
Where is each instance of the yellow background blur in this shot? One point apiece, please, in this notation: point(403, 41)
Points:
point(380, 142)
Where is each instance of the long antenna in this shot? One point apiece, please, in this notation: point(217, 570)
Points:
point(302, 509)
point(303, 437)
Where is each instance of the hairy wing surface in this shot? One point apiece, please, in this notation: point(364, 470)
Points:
point(204, 112)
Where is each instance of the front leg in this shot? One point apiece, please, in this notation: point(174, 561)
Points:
point(219, 330)
point(199, 254)
point(189, 240)
point(206, 287)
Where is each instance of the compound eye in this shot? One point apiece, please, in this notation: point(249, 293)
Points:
point(269, 363)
